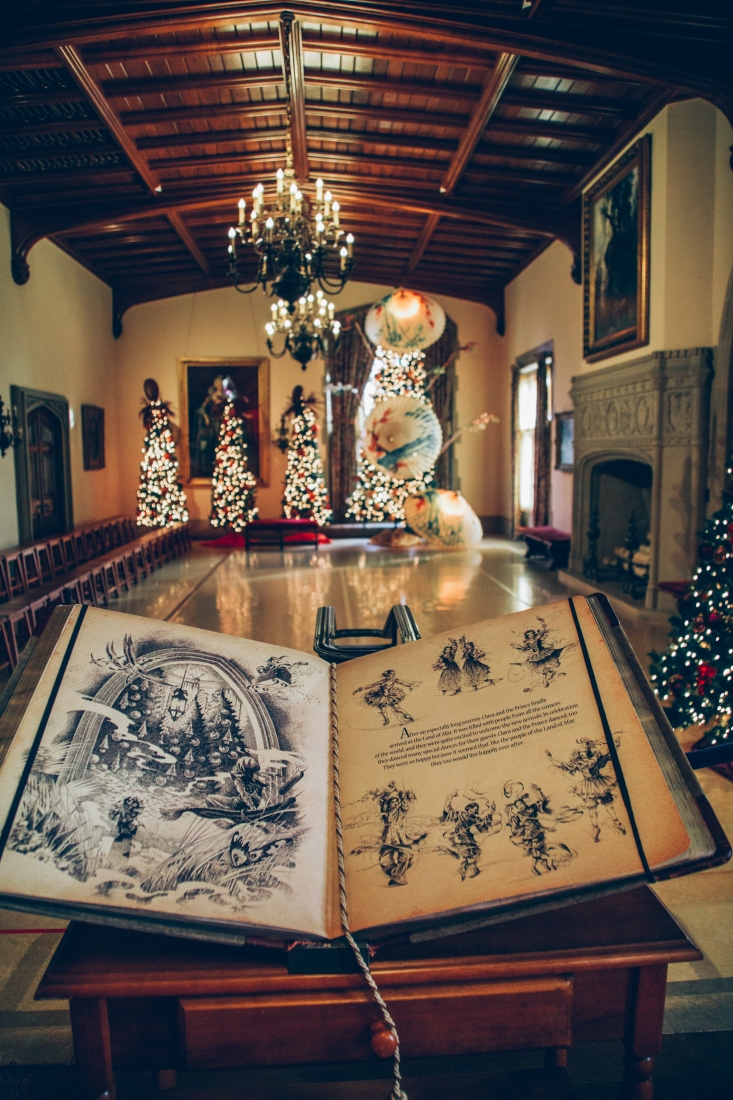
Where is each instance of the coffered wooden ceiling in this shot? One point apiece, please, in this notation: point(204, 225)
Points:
point(457, 138)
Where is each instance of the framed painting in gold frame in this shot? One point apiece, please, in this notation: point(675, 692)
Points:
point(202, 402)
point(616, 240)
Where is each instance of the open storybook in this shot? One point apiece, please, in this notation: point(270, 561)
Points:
point(172, 779)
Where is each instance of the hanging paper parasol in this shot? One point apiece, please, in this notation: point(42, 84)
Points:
point(402, 436)
point(445, 519)
point(405, 321)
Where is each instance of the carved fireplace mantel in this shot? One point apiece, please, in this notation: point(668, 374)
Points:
point(653, 410)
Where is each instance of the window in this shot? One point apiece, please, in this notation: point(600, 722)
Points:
point(532, 426)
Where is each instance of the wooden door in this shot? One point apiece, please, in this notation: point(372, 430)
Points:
point(45, 474)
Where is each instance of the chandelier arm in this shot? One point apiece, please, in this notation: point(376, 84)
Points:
point(330, 288)
point(251, 290)
point(276, 354)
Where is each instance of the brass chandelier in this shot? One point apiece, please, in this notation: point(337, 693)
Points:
point(292, 239)
point(307, 332)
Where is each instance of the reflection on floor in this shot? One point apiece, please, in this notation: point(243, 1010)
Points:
point(273, 597)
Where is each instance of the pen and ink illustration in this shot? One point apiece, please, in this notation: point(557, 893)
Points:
point(529, 817)
point(464, 823)
point(449, 682)
point(170, 776)
point(473, 674)
point(542, 650)
point(596, 788)
point(386, 696)
point(400, 835)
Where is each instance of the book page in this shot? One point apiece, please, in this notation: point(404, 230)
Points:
point(474, 768)
point(660, 826)
point(180, 772)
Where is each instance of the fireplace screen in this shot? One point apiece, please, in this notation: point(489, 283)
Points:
point(618, 532)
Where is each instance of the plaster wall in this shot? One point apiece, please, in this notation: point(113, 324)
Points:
point(222, 323)
point(56, 335)
point(690, 264)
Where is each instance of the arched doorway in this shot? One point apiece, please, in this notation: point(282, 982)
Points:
point(45, 473)
point(42, 463)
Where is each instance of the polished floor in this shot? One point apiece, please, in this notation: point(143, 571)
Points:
point(273, 597)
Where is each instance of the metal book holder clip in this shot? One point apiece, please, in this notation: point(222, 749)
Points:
point(400, 627)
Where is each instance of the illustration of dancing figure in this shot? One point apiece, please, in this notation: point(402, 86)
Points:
point(398, 841)
point(543, 653)
point(594, 789)
point(449, 681)
point(386, 694)
point(463, 844)
point(474, 671)
point(530, 818)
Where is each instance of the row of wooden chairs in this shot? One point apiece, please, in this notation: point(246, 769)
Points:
point(41, 562)
point(95, 582)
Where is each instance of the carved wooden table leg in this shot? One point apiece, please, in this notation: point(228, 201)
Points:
point(644, 1032)
point(90, 1029)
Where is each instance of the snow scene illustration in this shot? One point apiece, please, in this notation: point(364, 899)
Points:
point(172, 774)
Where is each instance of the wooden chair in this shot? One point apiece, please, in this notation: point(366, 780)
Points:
point(4, 581)
point(16, 573)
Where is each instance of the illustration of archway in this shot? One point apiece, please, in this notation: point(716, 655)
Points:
point(87, 731)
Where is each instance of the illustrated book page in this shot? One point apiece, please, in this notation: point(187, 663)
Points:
point(178, 773)
point(475, 770)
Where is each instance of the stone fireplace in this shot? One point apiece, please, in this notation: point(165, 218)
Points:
point(641, 430)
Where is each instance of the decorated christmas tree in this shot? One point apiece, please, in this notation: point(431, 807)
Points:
point(378, 496)
point(161, 501)
point(233, 485)
point(694, 676)
point(306, 496)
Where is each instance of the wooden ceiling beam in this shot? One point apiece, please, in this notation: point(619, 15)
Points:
point(488, 173)
point(154, 116)
point(311, 42)
point(55, 126)
point(43, 97)
point(292, 65)
point(183, 232)
point(23, 60)
point(457, 122)
point(211, 137)
point(94, 94)
point(196, 82)
point(491, 94)
point(92, 90)
point(153, 51)
point(574, 104)
point(495, 84)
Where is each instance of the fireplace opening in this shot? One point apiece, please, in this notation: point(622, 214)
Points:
point(618, 532)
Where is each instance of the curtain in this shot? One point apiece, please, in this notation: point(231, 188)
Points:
point(348, 365)
point(542, 455)
point(443, 397)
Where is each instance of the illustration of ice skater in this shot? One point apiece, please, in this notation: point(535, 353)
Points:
point(386, 694)
point(449, 681)
point(594, 789)
point(278, 669)
point(399, 838)
point(530, 819)
point(461, 836)
point(543, 651)
point(474, 672)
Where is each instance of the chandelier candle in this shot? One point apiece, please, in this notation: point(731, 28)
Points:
point(296, 241)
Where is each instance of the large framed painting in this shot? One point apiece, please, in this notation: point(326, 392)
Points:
point(616, 235)
point(204, 384)
point(92, 436)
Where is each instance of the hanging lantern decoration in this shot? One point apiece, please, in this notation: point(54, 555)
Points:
point(402, 437)
point(445, 520)
point(405, 320)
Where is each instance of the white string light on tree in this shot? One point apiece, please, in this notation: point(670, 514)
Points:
point(233, 486)
point(161, 501)
point(305, 496)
